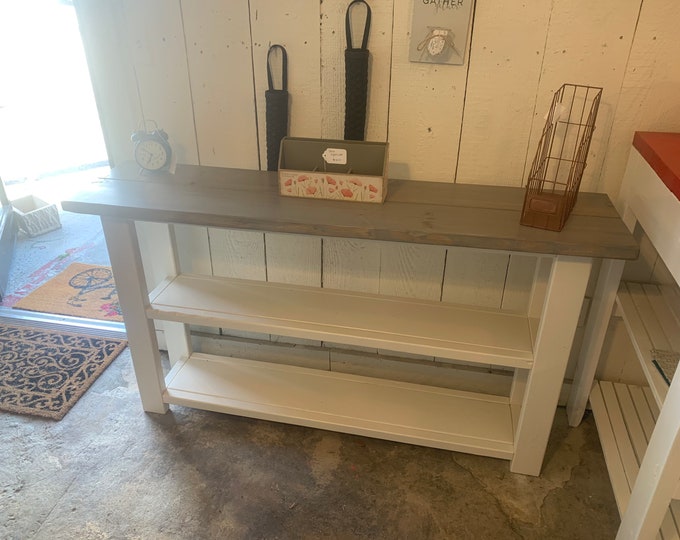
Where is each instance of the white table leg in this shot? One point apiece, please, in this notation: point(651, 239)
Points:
point(596, 328)
point(126, 264)
point(561, 309)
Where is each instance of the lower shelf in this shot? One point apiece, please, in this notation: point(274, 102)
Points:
point(404, 412)
point(625, 417)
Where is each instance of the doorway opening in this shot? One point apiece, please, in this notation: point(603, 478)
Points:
point(50, 137)
point(49, 125)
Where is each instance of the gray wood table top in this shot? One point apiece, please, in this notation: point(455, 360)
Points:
point(465, 215)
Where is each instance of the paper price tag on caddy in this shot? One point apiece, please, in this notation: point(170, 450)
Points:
point(335, 156)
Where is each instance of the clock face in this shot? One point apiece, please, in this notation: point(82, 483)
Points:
point(151, 154)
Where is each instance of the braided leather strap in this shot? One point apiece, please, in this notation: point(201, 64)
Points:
point(276, 110)
point(356, 78)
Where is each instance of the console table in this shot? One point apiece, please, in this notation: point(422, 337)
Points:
point(535, 344)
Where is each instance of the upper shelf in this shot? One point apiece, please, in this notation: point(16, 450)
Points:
point(400, 324)
point(483, 217)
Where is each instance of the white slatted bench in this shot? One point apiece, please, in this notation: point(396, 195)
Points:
point(625, 414)
point(640, 427)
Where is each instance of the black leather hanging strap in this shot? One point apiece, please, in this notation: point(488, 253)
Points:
point(348, 24)
point(277, 109)
point(284, 67)
point(356, 77)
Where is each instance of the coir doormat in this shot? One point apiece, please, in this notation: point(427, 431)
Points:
point(44, 371)
point(82, 290)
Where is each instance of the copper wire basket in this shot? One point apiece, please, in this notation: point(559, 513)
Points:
point(557, 169)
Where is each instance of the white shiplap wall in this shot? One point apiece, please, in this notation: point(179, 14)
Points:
point(197, 67)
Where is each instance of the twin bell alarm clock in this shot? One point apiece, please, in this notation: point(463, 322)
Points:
point(152, 150)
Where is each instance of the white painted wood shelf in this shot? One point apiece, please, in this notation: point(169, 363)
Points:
point(400, 324)
point(369, 406)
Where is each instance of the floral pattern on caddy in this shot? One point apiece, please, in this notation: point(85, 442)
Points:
point(334, 187)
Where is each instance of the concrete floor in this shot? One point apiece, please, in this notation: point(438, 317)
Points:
point(110, 471)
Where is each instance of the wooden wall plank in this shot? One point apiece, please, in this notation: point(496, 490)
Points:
point(197, 259)
point(112, 73)
point(588, 44)
point(649, 94)
point(519, 283)
point(426, 109)
point(221, 71)
point(411, 271)
point(501, 91)
point(237, 255)
point(160, 64)
point(332, 34)
point(293, 258)
point(352, 265)
point(475, 277)
point(220, 65)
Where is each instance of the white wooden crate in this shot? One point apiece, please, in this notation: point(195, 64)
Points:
point(36, 216)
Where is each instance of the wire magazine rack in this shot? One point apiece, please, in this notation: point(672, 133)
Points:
point(557, 169)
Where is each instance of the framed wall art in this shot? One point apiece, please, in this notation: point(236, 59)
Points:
point(439, 31)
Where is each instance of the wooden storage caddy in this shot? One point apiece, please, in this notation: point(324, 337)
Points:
point(359, 172)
